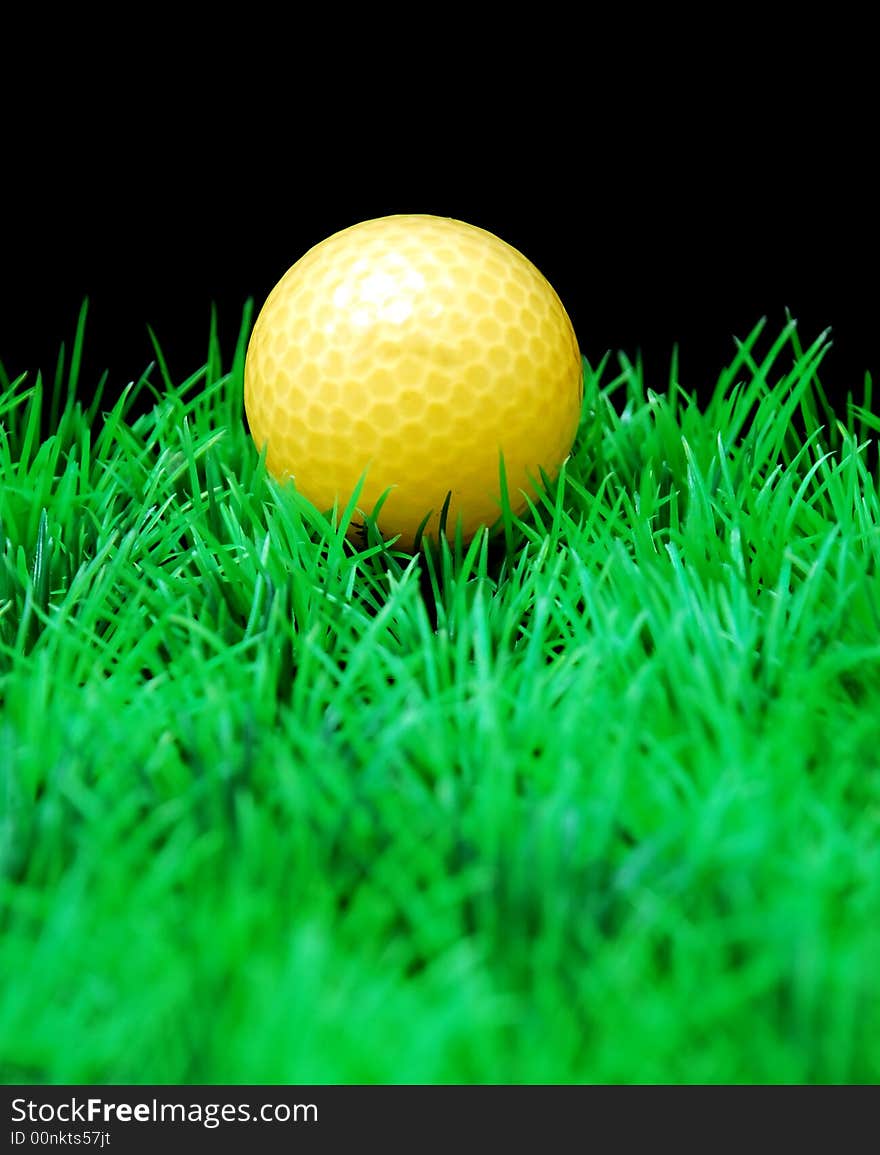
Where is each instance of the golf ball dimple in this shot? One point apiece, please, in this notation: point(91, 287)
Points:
point(411, 353)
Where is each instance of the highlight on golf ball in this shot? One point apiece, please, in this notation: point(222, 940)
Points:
point(414, 352)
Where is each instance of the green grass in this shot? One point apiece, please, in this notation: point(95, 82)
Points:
point(598, 801)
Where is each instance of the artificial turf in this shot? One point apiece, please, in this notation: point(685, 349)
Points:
point(596, 801)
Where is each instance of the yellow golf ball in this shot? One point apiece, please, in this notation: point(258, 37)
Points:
point(413, 352)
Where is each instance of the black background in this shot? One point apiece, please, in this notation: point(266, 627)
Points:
point(674, 196)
